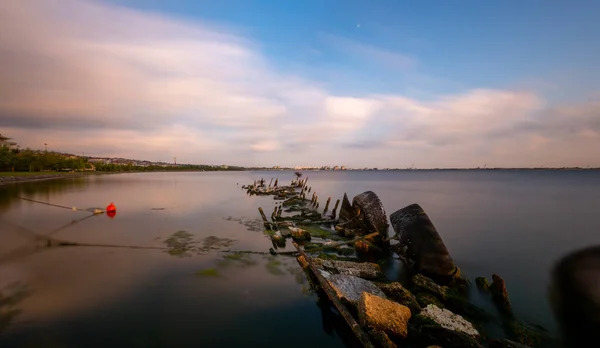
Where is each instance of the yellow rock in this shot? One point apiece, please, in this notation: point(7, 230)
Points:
point(381, 314)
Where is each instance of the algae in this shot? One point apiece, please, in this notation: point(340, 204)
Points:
point(180, 244)
point(208, 272)
point(273, 266)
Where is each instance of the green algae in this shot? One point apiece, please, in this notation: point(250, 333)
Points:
point(274, 267)
point(208, 272)
point(180, 244)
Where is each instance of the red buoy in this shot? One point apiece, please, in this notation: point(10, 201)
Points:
point(111, 208)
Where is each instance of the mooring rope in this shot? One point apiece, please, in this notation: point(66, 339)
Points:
point(95, 211)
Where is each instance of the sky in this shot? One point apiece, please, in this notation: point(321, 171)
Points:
point(433, 84)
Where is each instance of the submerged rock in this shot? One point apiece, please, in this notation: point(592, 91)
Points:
point(482, 283)
point(506, 344)
point(439, 336)
point(423, 283)
point(371, 216)
point(382, 314)
point(500, 294)
point(449, 320)
point(365, 270)
point(382, 339)
point(423, 243)
point(396, 292)
point(575, 299)
point(349, 288)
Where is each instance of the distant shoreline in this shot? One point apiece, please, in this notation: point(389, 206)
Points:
point(15, 179)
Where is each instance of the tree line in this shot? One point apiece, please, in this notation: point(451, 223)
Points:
point(16, 160)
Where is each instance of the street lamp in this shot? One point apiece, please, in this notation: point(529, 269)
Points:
point(46, 144)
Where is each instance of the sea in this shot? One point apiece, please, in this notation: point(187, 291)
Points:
point(159, 272)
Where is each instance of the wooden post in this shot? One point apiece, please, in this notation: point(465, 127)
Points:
point(358, 331)
point(270, 182)
point(335, 209)
point(326, 206)
point(264, 218)
point(276, 182)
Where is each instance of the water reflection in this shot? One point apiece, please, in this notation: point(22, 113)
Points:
point(11, 296)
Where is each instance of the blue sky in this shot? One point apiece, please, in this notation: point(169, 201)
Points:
point(467, 43)
point(376, 83)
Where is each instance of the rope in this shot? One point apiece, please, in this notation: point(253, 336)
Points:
point(95, 211)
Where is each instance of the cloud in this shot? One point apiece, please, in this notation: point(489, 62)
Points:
point(108, 80)
point(371, 54)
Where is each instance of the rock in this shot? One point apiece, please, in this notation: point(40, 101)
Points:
point(523, 334)
point(574, 296)
point(365, 270)
point(302, 262)
point(440, 336)
point(425, 299)
point(396, 292)
point(423, 243)
point(278, 239)
point(299, 234)
point(495, 343)
point(371, 216)
point(482, 283)
point(423, 283)
point(382, 339)
point(449, 320)
point(382, 314)
point(349, 288)
point(347, 213)
point(366, 247)
point(500, 294)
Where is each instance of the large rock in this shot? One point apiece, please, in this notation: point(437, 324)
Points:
point(371, 216)
point(349, 288)
point(396, 292)
point(381, 314)
point(424, 246)
point(449, 320)
point(365, 270)
point(574, 296)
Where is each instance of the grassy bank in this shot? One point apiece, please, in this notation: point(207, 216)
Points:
point(33, 173)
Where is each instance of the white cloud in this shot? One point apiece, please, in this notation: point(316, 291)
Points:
point(107, 80)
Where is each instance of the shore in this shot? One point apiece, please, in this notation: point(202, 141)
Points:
point(6, 178)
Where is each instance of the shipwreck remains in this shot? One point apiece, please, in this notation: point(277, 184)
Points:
point(341, 253)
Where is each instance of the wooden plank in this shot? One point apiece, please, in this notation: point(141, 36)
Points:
point(362, 336)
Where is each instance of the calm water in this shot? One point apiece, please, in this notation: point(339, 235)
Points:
point(516, 224)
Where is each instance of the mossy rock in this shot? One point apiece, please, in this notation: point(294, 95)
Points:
point(482, 283)
point(315, 230)
point(328, 256)
point(421, 320)
point(460, 304)
point(523, 334)
point(425, 299)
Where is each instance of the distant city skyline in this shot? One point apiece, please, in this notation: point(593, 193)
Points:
point(258, 83)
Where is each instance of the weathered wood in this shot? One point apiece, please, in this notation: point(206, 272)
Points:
point(333, 213)
point(264, 218)
point(361, 335)
point(270, 182)
point(326, 206)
